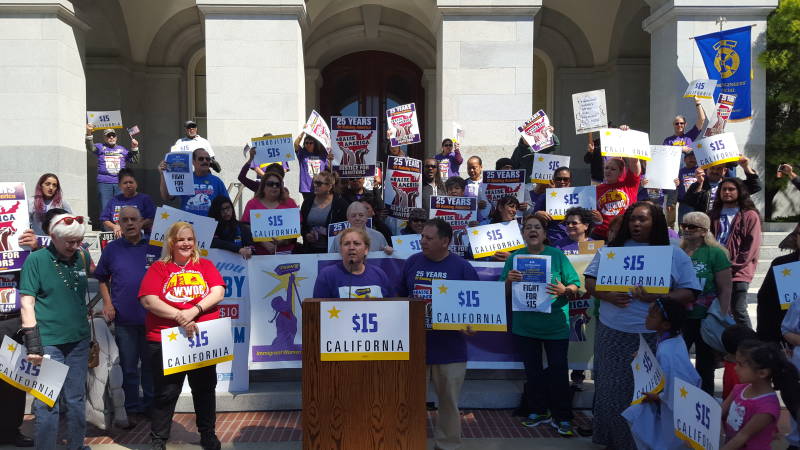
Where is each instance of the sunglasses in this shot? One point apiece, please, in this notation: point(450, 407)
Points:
point(690, 227)
point(320, 183)
point(561, 178)
point(110, 135)
point(273, 184)
point(680, 123)
point(203, 158)
point(431, 166)
point(417, 220)
point(447, 145)
point(573, 223)
point(68, 221)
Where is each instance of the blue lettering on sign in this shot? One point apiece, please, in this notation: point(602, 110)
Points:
point(494, 235)
point(238, 335)
point(468, 299)
point(717, 145)
point(198, 340)
point(415, 245)
point(702, 414)
point(28, 367)
point(233, 286)
point(571, 199)
point(634, 262)
point(553, 165)
point(365, 322)
point(275, 221)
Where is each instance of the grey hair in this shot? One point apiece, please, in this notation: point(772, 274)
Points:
point(61, 230)
point(699, 217)
point(139, 213)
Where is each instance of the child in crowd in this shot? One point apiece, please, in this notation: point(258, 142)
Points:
point(750, 414)
point(731, 338)
point(651, 420)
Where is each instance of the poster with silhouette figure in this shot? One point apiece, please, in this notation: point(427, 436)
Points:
point(354, 142)
point(13, 222)
point(403, 186)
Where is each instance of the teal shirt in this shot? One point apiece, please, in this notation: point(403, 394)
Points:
point(555, 324)
point(61, 310)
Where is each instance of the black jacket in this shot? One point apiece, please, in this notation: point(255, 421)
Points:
point(227, 235)
point(337, 213)
point(595, 161)
point(701, 200)
point(769, 312)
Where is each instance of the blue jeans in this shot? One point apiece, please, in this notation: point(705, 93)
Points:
point(132, 347)
point(105, 191)
point(76, 356)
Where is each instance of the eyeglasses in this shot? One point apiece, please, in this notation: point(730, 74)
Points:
point(431, 166)
point(680, 123)
point(110, 135)
point(417, 219)
point(690, 227)
point(574, 223)
point(561, 178)
point(68, 221)
point(320, 183)
point(447, 145)
point(275, 184)
point(203, 158)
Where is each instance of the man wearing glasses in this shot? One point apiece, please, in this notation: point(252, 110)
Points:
point(431, 182)
point(111, 158)
point(206, 185)
point(449, 159)
point(682, 138)
point(193, 141)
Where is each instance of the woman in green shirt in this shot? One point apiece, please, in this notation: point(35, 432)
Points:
point(713, 269)
point(548, 390)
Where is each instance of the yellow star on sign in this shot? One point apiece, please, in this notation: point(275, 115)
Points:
point(699, 145)
point(554, 194)
point(258, 215)
point(638, 367)
point(786, 272)
point(541, 159)
point(334, 313)
point(172, 336)
point(608, 133)
point(611, 255)
point(684, 392)
point(443, 289)
point(165, 216)
point(11, 347)
point(288, 156)
point(475, 232)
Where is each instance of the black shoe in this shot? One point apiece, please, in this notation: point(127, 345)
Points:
point(158, 444)
point(585, 431)
point(210, 442)
point(215, 165)
point(23, 441)
point(430, 406)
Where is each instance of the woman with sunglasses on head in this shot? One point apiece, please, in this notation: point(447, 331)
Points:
point(54, 315)
point(48, 196)
point(169, 304)
point(271, 195)
point(325, 208)
point(713, 271)
point(313, 159)
point(622, 321)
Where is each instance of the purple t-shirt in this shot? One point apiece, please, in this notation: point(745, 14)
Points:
point(310, 165)
point(443, 347)
point(9, 293)
point(140, 201)
point(686, 178)
point(451, 161)
point(109, 162)
point(123, 266)
point(335, 281)
point(685, 140)
point(569, 247)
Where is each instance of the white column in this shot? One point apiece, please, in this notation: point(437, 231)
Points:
point(675, 61)
point(43, 96)
point(431, 118)
point(313, 83)
point(485, 73)
point(254, 74)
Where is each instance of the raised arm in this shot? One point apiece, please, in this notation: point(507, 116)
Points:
point(701, 114)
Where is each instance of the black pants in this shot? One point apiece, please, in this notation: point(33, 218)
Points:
point(548, 389)
point(167, 389)
point(13, 399)
point(705, 359)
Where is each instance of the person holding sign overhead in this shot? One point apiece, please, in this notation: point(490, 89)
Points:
point(769, 312)
point(111, 158)
point(618, 190)
point(622, 319)
point(313, 159)
point(683, 138)
point(547, 389)
point(701, 193)
point(353, 277)
point(271, 195)
point(449, 159)
point(181, 289)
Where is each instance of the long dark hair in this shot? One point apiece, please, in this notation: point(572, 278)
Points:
point(743, 200)
point(658, 234)
point(38, 202)
point(767, 355)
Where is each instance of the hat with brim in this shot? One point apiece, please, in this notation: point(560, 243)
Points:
point(108, 131)
point(190, 124)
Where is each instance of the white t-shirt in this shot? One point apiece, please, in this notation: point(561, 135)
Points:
point(186, 144)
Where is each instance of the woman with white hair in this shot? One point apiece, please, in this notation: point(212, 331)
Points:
point(713, 267)
point(54, 323)
point(357, 215)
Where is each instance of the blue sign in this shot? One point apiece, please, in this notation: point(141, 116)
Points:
point(726, 55)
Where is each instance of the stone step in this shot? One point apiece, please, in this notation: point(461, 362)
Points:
point(774, 238)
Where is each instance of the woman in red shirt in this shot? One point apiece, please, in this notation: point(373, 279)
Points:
point(618, 190)
point(271, 195)
point(169, 303)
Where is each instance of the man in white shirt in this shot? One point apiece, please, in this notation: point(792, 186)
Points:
point(193, 141)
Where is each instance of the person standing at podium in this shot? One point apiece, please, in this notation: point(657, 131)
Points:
point(446, 351)
point(353, 277)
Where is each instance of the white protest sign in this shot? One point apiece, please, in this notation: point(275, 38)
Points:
point(269, 224)
point(272, 149)
point(317, 128)
point(189, 146)
point(179, 177)
point(663, 167)
point(716, 150)
point(536, 131)
point(621, 268)
point(479, 305)
point(212, 344)
point(589, 109)
point(787, 279)
point(403, 125)
point(724, 108)
point(364, 331)
point(458, 133)
point(355, 145)
point(624, 144)
point(104, 119)
point(14, 220)
point(204, 227)
point(544, 165)
point(530, 294)
point(406, 245)
point(701, 89)
point(43, 381)
point(486, 240)
point(559, 200)
point(696, 416)
point(647, 374)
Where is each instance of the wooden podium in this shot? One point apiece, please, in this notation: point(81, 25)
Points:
point(352, 405)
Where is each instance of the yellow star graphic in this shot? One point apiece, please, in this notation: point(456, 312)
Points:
point(611, 255)
point(787, 272)
point(11, 347)
point(541, 159)
point(638, 367)
point(699, 145)
point(554, 194)
point(258, 215)
point(172, 336)
point(399, 241)
point(684, 392)
point(288, 156)
point(334, 313)
point(475, 232)
point(608, 133)
point(165, 216)
point(443, 289)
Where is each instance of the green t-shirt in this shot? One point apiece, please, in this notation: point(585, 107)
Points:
point(60, 291)
point(555, 324)
point(707, 261)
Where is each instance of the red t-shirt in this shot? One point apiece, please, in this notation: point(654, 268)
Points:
point(255, 203)
point(179, 287)
point(613, 199)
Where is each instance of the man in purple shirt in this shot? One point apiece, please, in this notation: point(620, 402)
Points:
point(120, 271)
point(446, 350)
point(111, 158)
point(682, 138)
point(129, 197)
point(449, 159)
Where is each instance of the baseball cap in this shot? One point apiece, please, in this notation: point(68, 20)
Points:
point(190, 124)
point(108, 131)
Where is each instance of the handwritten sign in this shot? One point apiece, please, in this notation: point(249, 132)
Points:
point(544, 165)
point(43, 381)
point(665, 162)
point(212, 344)
point(647, 374)
point(624, 144)
point(406, 245)
point(621, 268)
point(403, 183)
point(272, 149)
point(270, 224)
point(501, 183)
point(697, 416)
point(486, 240)
point(403, 126)
point(716, 150)
point(104, 119)
point(787, 279)
point(14, 220)
point(531, 293)
point(355, 145)
point(317, 128)
point(204, 227)
point(701, 89)
point(559, 200)
point(536, 131)
point(479, 305)
point(590, 112)
point(363, 331)
point(725, 104)
point(179, 177)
